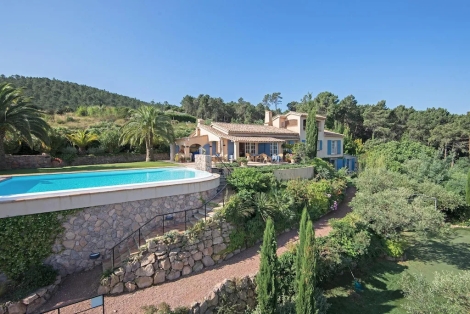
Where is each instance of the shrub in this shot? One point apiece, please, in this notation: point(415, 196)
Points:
point(250, 180)
point(39, 276)
point(81, 111)
point(69, 154)
point(394, 248)
point(242, 160)
point(287, 274)
point(96, 151)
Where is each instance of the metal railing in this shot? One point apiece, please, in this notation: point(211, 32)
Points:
point(138, 233)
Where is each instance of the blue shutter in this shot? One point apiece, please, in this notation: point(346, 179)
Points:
point(339, 147)
point(267, 149)
point(321, 145)
point(329, 147)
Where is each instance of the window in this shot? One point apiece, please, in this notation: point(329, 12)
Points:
point(274, 150)
point(304, 124)
point(334, 148)
point(250, 148)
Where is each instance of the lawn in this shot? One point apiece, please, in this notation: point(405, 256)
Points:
point(127, 165)
point(382, 293)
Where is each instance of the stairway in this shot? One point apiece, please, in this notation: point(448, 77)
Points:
point(129, 247)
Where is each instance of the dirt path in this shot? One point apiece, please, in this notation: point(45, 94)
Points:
point(184, 291)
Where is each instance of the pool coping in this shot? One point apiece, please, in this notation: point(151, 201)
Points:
point(73, 199)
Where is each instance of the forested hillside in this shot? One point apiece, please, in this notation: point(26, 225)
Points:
point(55, 95)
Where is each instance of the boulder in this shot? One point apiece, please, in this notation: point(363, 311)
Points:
point(187, 270)
point(119, 288)
point(198, 266)
point(159, 277)
point(144, 282)
point(207, 261)
point(130, 286)
point(145, 271)
point(177, 265)
point(16, 308)
point(149, 259)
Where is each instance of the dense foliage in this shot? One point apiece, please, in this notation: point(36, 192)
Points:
point(447, 293)
point(16, 234)
point(312, 133)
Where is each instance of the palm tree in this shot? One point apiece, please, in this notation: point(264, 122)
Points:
point(82, 139)
point(144, 126)
point(18, 115)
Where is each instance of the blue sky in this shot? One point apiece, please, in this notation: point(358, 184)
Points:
point(410, 52)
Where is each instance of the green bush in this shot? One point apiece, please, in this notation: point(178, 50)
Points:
point(42, 228)
point(250, 179)
point(69, 154)
point(394, 248)
point(96, 151)
point(39, 276)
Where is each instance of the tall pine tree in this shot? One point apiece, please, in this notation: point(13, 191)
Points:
point(312, 133)
point(305, 301)
point(266, 282)
point(300, 247)
point(468, 189)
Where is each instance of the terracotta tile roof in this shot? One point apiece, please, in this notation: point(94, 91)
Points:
point(329, 133)
point(252, 139)
point(231, 128)
point(300, 114)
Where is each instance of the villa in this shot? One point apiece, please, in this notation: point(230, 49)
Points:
point(231, 140)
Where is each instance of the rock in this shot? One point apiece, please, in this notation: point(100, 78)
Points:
point(144, 282)
point(177, 265)
point(187, 270)
point(149, 259)
point(208, 243)
point(119, 271)
point(212, 299)
point(207, 251)
point(197, 256)
point(159, 277)
point(119, 288)
point(103, 290)
point(230, 286)
point(35, 305)
point(58, 279)
point(129, 277)
point(152, 246)
point(217, 240)
point(207, 261)
point(216, 233)
point(16, 308)
point(70, 235)
point(114, 280)
point(30, 299)
point(219, 248)
point(173, 275)
point(165, 264)
point(130, 286)
point(203, 307)
point(191, 261)
point(198, 266)
point(41, 292)
point(68, 244)
point(135, 266)
point(145, 271)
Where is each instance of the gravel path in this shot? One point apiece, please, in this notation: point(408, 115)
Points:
point(184, 291)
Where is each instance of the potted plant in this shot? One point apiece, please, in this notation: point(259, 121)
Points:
point(177, 158)
point(242, 161)
point(56, 162)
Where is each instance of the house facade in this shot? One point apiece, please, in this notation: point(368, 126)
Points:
point(232, 140)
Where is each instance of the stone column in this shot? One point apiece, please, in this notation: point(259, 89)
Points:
point(172, 151)
point(186, 152)
point(236, 150)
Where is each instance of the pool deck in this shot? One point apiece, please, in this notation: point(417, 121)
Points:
point(80, 198)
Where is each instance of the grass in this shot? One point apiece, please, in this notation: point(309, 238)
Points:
point(126, 165)
point(382, 292)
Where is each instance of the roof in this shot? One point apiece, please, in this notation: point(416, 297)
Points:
point(299, 114)
point(252, 139)
point(231, 128)
point(329, 133)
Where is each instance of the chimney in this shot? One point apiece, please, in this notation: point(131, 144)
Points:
point(200, 122)
point(268, 118)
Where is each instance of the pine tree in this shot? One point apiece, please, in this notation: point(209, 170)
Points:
point(305, 300)
point(266, 281)
point(300, 247)
point(468, 189)
point(312, 134)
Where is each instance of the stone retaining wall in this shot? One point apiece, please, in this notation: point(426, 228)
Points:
point(99, 228)
point(237, 293)
point(170, 257)
point(294, 173)
point(28, 161)
point(96, 160)
point(31, 302)
point(44, 161)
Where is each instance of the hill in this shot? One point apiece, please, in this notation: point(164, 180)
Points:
point(56, 95)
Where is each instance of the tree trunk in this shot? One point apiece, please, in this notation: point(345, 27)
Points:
point(3, 162)
point(149, 148)
point(81, 150)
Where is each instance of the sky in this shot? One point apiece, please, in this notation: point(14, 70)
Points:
point(410, 52)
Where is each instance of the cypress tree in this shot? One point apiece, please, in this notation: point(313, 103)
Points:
point(266, 282)
point(301, 244)
point(468, 189)
point(312, 133)
point(305, 300)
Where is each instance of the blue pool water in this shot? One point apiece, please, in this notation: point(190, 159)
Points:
point(83, 180)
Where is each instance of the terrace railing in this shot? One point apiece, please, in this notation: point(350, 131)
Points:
point(158, 225)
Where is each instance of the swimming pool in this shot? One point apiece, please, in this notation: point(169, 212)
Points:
point(61, 182)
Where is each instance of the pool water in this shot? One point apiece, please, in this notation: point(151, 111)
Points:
point(86, 180)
